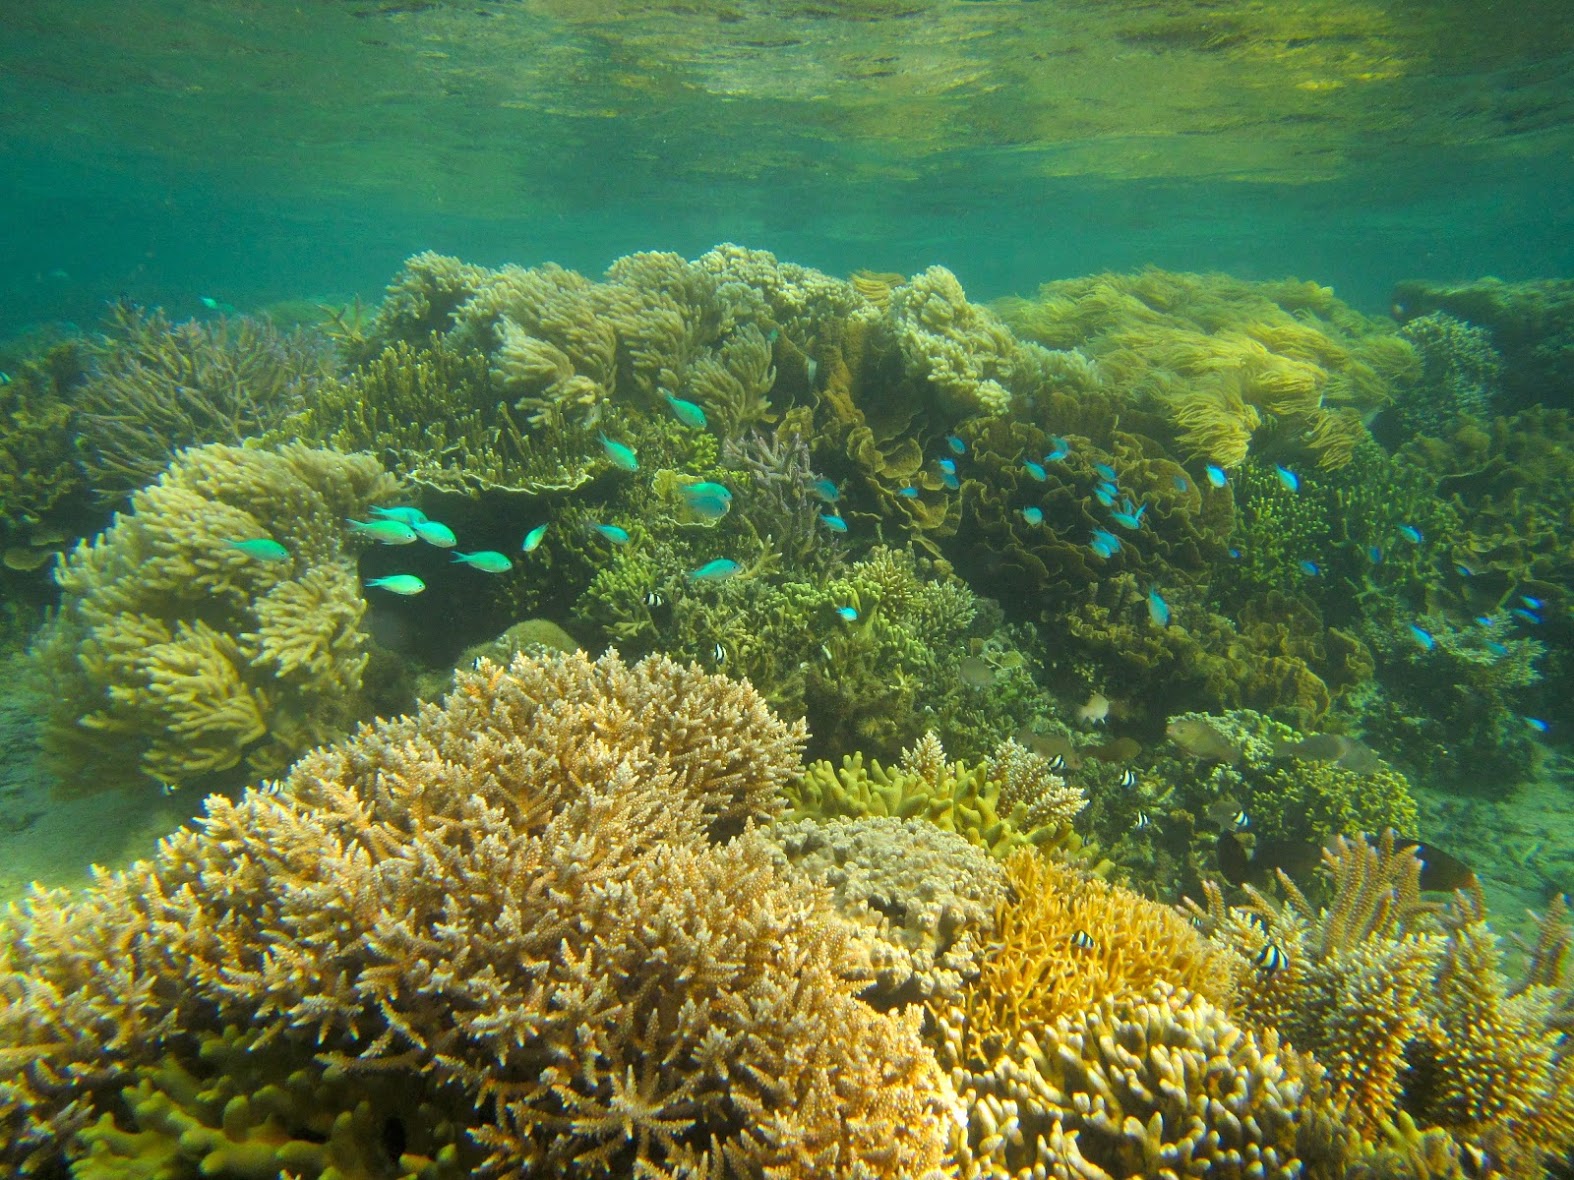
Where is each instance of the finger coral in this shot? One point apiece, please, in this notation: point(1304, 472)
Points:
point(176, 655)
point(518, 904)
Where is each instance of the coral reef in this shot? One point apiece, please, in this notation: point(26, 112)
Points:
point(928, 895)
point(1460, 373)
point(177, 655)
point(1064, 942)
point(1156, 1085)
point(1005, 802)
point(522, 903)
point(153, 387)
point(1409, 1011)
point(1531, 326)
point(1234, 366)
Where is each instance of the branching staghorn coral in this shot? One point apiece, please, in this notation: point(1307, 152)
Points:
point(1412, 1015)
point(1159, 1084)
point(518, 902)
point(176, 655)
point(154, 387)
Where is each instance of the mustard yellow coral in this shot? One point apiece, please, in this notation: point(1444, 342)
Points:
point(1065, 940)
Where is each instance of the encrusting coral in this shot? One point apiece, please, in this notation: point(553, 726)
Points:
point(524, 902)
point(928, 895)
point(177, 655)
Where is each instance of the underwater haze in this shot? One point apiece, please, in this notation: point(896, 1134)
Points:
point(253, 152)
point(890, 590)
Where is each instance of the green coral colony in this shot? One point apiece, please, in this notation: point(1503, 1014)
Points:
point(948, 647)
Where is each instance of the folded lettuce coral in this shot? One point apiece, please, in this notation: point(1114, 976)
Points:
point(539, 903)
point(176, 654)
point(1233, 364)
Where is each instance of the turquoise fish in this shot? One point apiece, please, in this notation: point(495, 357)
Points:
point(406, 584)
point(533, 538)
point(618, 536)
point(826, 489)
point(1288, 478)
point(434, 533)
point(410, 516)
point(833, 522)
point(691, 414)
point(715, 571)
point(488, 561)
point(621, 454)
point(1158, 609)
point(262, 548)
point(384, 532)
point(707, 500)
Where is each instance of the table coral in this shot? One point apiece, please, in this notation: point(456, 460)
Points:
point(176, 655)
point(539, 902)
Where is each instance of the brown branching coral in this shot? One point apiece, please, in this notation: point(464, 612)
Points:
point(517, 895)
point(176, 655)
point(1412, 1016)
point(154, 387)
point(1160, 1084)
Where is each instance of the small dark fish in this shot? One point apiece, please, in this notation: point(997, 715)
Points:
point(1271, 958)
point(653, 600)
point(271, 787)
point(1128, 778)
point(1440, 872)
point(1253, 918)
point(1240, 820)
point(1142, 821)
point(1083, 941)
point(1051, 747)
point(1057, 763)
point(718, 653)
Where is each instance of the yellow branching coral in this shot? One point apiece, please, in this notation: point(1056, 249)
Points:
point(1008, 800)
point(177, 655)
point(1495, 1069)
point(521, 904)
point(1411, 1015)
point(1161, 1084)
point(1064, 940)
